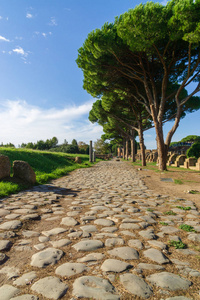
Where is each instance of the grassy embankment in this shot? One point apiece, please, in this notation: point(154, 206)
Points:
point(47, 166)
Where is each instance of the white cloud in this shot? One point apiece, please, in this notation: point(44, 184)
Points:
point(53, 22)
point(29, 16)
point(2, 38)
point(29, 123)
point(20, 50)
point(44, 34)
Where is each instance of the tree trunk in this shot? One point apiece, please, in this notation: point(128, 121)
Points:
point(126, 149)
point(133, 146)
point(141, 140)
point(123, 150)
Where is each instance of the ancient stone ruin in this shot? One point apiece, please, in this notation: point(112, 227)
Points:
point(23, 170)
point(5, 166)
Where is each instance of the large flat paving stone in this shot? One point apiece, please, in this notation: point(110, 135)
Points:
point(8, 291)
point(94, 288)
point(169, 281)
point(54, 231)
point(50, 287)
point(60, 243)
point(11, 225)
point(136, 285)
point(156, 256)
point(88, 245)
point(69, 221)
point(91, 257)
point(104, 222)
point(49, 256)
point(71, 269)
point(114, 265)
point(25, 279)
point(114, 242)
point(124, 253)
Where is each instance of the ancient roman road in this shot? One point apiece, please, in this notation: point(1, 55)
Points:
point(98, 233)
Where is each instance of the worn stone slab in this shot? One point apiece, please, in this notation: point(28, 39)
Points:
point(89, 228)
point(88, 245)
point(49, 256)
point(60, 243)
point(54, 231)
point(195, 237)
point(157, 244)
point(12, 216)
point(69, 221)
point(70, 269)
point(5, 245)
point(114, 265)
point(136, 244)
point(11, 272)
point(144, 266)
point(3, 258)
point(156, 256)
point(147, 234)
point(129, 226)
point(124, 253)
point(11, 225)
point(50, 287)
point(4, 212)
point(114, 242)
point(136, 285)
point(25, 279)
point(94, 288)
point(104, 222)
point(169, 281)
point(91, 257)
point(29, 233)
point(25, 297)
point(8, 291)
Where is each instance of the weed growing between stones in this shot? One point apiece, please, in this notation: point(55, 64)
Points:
point(177, 244)
point(187, 228)
point(164, 223)
point(170, 213)
point(184, 208)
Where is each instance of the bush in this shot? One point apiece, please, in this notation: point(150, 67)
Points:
point(194, 150)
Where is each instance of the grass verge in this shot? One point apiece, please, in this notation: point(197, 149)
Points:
point(47, 166)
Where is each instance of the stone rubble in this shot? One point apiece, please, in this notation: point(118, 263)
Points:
point(98, 233)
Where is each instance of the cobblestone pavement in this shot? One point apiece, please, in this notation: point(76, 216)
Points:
point(98, 233)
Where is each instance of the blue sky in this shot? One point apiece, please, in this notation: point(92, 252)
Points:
point(41, 92)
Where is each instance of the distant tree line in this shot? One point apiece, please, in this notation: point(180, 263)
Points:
point(52, 145)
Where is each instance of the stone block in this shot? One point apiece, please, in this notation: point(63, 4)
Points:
point(78, 160)
point(23, 170)
point(5, 166)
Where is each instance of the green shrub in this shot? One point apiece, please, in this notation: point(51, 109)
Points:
point(194, 150)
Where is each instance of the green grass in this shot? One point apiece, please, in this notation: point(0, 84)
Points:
point(177, 245)
point(47, 166)
point(7, 188)
point(150, 209)
point(164, 223)
point(187, 228)
point(184, 208)
point(178, 181)
point(170, 213)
